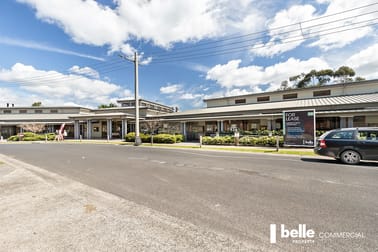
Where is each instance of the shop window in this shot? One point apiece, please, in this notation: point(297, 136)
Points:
point(53, 111)
point(263, 98)
point(321, 93)
point(38, 111)
point(290, 96)
point(7, 111)
point(240, 101)
point(22, 111)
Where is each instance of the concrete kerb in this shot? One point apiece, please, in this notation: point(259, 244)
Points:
point(43, 211)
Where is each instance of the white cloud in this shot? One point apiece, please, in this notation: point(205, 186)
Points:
point(231, 75)
point(92, 23)
point(87, 71)
point(190, 96)
point(280, 38)
point(171, 89)
point(364, 63)
point(43, 47)
point(236, 92)
point(198, 67)
point(8, 95)
point(162, 22)
point(292, 27)
point(356, 19)
point(55, 86)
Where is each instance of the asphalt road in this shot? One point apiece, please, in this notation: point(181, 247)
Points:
point(237, 194)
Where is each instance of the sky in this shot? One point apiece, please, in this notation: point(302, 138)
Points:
point(76, 52)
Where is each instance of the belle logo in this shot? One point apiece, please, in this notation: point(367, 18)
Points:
point(301, 232)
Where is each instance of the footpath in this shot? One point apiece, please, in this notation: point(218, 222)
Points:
point(42, 211)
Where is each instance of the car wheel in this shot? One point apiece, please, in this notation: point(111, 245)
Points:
point(350, 157)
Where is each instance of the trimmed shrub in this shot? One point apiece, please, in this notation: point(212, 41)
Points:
point(159, 138)
point(130, 137)
point(218, 140)
point(164, 138)
point(245, 140)
point(179, 138)
point(248, 140)
point(30, 136)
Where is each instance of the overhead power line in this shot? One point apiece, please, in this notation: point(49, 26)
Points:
point(262, 45)
point(243, 41)
point(298, 30)
point(234, 37)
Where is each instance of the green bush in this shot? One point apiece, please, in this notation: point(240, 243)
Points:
point(14, 138)
point(245, 140)
point(145, 138)
point(218, 140)
point(164, 138)
point(179, 138)
point(248, 140)
point(30, 136)
point(159, 138)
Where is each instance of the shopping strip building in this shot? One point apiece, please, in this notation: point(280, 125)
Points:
point(353, 104)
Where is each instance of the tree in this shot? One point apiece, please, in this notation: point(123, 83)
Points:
point(344, 73)
point(296, 79)
point(358, 78)
point(152, 126)
point(110, 105)
point(284, 85)
point(35, 128)
point(324, 76)
point(308, 78)
point(37, 104)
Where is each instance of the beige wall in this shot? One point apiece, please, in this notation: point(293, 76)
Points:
point(306, 93)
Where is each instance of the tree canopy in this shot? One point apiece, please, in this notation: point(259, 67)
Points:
point(322, 77)
point(110, 105)
point(37, 104)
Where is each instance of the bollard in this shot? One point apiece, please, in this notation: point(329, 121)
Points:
point(277, 143)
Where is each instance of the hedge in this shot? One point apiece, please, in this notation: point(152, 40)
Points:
point(30, 136)
point(159, 138)
point(245, 140)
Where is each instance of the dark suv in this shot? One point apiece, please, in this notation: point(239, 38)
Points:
point(349, 145)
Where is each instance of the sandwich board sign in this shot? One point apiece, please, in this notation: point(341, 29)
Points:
point(299, 128)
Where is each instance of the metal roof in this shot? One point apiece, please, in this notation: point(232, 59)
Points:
point(103, 116)
point(281, 105)
point(327, 86)
point(34, 117)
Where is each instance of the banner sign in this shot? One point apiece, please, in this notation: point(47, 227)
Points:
point(299, 128)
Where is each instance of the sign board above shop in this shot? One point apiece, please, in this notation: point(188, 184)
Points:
point(299, 128)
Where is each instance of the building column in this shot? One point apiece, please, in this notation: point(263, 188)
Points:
point(343, 122)
point(218, 127)
point(89, 129)
point(124, 128)
point(269, 124)
point(350, 122)
point(109, 128)
point(221, 126)
point(183, 130)
point(76, 129)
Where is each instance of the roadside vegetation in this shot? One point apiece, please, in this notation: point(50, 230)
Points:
point(158, 138)
point(30, 136)
point(269, 141)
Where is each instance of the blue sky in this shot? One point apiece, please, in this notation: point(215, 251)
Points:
point(67, 52)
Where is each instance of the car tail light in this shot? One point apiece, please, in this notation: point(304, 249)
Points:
point(322, 143)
